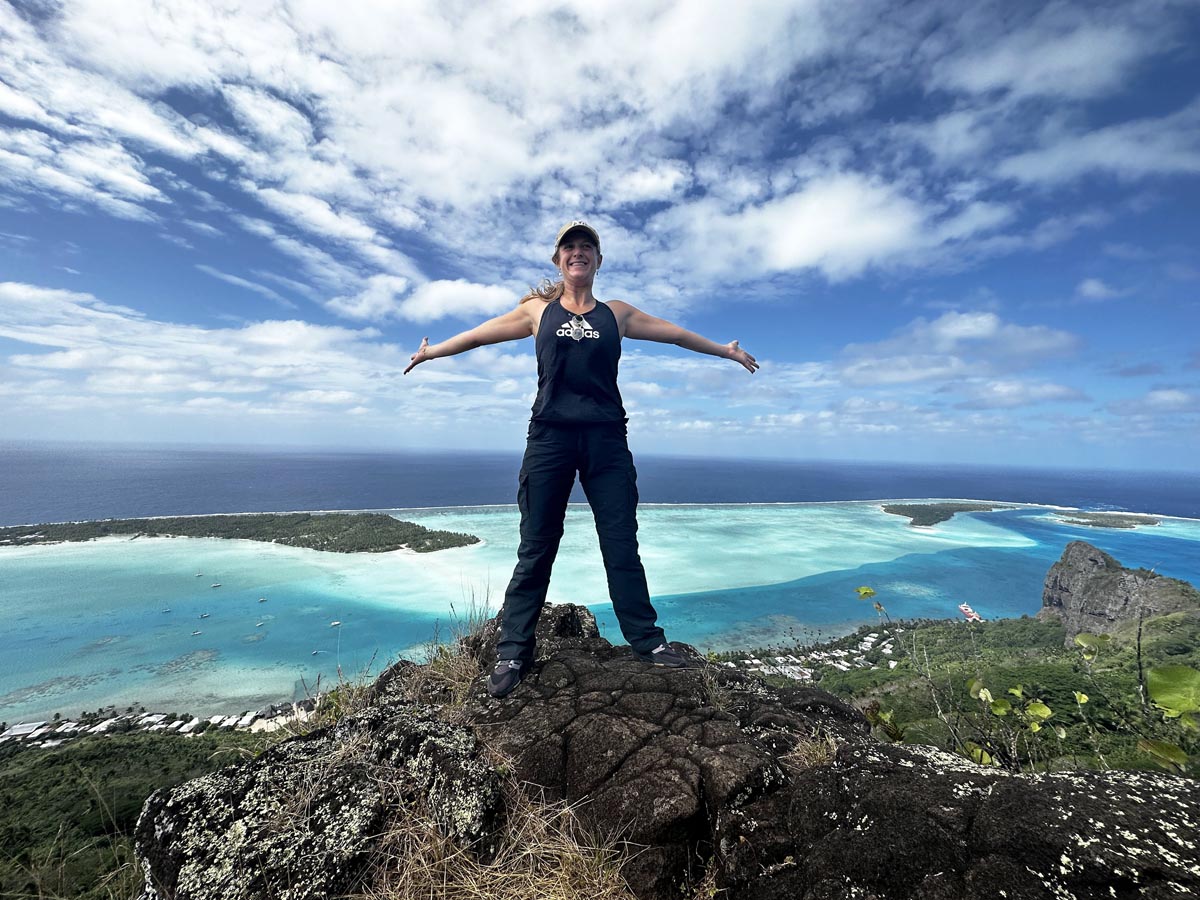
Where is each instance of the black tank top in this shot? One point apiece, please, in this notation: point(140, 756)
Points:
point(577, 357)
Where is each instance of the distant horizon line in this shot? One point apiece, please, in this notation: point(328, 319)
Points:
point(7, 443)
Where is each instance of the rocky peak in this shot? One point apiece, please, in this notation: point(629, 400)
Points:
point(768, 793)
point(1089, 591)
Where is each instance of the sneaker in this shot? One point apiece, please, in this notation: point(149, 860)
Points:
point(662, 655)
point(506, 676)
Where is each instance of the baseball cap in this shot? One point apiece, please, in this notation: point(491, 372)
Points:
point(582, 226)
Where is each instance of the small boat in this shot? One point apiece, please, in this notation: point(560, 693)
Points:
point(199, 574)
point(334, 624)
point(194, 633)
point(259, 624)
point(216, 584)
point(167, 610)
point(204, 615)
point(315, 652)
point(262, 599)
point(971, 615)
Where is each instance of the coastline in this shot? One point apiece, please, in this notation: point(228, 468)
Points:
point(390, 510)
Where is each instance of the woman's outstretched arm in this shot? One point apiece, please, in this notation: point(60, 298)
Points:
point(512, 326)
point(643, 327)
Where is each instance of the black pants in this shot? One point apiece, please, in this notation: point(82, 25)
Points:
point(600, 454)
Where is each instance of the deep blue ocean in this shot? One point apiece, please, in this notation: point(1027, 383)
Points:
point(60, 482)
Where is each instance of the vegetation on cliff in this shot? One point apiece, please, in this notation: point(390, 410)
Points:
point(69, 811)
point(333, 532)
point(968, 685)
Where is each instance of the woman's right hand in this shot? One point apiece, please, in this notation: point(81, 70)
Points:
point(738, 355)
point(420, 356)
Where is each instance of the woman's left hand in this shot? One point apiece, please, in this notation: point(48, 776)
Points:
point(737, 354)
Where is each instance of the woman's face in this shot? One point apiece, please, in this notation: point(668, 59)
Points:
point(578, 258)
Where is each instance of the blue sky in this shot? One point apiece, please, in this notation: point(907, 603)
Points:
point(949, 232)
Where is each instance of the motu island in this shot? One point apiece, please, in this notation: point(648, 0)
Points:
point(1109, 520)
point(933, 513)
point(334, 532)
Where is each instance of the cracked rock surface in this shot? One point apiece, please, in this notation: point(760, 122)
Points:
point(888, 821)
point(657, 757)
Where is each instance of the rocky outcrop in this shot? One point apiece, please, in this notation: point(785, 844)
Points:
point(891, 821)
point(1089, 591)
point(656, 756)
point(299, 821)
point(704, 773)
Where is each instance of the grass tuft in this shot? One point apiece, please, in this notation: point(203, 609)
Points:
point(450, 671)
point(809, 753)
point(541, 851)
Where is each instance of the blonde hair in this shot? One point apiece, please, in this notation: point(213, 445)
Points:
point(548, 290)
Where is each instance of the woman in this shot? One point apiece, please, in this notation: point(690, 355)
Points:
point(578, 425)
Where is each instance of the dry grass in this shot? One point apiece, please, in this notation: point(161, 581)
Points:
point(715, 695)
point(706, 888)
point(450, 672)
point(348, 697)
point(810, 753)
point(542, 851)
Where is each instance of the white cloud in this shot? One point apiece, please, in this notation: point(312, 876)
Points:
point(116, 356)
point(1062, 52)
point(839, 224)
point(272, 121)
point(261, 289)
point(378, 299)
point(457, 299)
point(903, 369)
point(664, 181)
point(328, 398)
point(1096, 289)
point(316, 215)
point(1159, 402)
point(99, 174)
point(963, 134)
point(1009, 394)
point(954, 345)
point(1141, 148)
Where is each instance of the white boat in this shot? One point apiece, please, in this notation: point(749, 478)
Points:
point(262, 599)
point(167, 610)
point(194, 633)
point(204, 615)
point(216, 584)
point(971, 615)
point(334, 624)
point(199, 574)
point(259, 624)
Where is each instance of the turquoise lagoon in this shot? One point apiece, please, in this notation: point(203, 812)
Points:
point(113, 621)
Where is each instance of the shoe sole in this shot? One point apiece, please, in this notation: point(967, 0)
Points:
point(659, 665)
